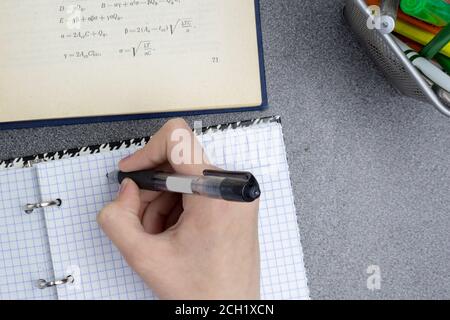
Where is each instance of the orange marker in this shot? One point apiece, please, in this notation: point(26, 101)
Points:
point(418, 23)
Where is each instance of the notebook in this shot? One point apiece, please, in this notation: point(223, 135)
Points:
point(56, 242)
point(79, 61)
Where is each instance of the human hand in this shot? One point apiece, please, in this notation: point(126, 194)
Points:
point(183, 246)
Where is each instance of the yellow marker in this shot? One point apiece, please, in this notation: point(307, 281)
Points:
point(418, 35)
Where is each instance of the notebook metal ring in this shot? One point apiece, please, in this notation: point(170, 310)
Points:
point(30, 207)
point(42, 283)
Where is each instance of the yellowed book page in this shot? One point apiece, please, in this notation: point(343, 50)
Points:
point(61, 59)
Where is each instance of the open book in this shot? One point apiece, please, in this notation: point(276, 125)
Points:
point(77, 59)
point(64, 241)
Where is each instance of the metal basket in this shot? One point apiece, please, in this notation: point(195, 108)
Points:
point(389, 57)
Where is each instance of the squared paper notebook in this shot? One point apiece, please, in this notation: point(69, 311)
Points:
point(70, 62)
point(55, 242)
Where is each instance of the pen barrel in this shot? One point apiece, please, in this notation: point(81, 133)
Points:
point(146, 180)
point(218, 187)
point(160, 181)
point(208, 186)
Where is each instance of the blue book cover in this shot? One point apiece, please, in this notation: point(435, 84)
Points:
point(170, 28)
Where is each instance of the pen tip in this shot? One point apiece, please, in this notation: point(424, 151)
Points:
point(112, 176)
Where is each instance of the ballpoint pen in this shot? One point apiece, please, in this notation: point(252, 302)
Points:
point(226, 185)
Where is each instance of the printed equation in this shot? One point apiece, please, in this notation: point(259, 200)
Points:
point(127, 28)
point(182, 25)
point(144, 48)
point(138, 3)
point(85, 34)
point(82, 55)
point(78, 19)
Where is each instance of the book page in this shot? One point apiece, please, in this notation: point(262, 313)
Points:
point(24, 248)
point(69, 58)
point(78, 245)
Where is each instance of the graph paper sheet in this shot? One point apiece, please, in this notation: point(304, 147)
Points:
point(24, 248)
point(80, 248)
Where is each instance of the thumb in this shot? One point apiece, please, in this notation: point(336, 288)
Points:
point(120, 220)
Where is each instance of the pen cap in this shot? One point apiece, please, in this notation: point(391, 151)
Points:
point(237, 186)
point(238, 190)
point(436, 12)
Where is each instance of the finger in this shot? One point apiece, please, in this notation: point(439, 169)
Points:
point(174, 216)
point(155, 216)
point(120, 221)
point(165, 167)
point(174, 143)
point(149, 196)
point(207, 212)
point(144, 205)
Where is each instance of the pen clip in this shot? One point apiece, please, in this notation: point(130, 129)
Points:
point(246, 176)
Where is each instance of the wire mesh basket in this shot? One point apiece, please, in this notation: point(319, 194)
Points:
point(389, 57)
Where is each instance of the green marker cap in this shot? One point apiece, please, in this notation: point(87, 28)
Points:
point(436, 12)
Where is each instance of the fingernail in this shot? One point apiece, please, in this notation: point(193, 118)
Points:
point(123, 186)
point(124, 159)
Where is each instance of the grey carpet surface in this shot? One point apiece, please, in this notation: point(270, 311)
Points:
point(369, 168)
